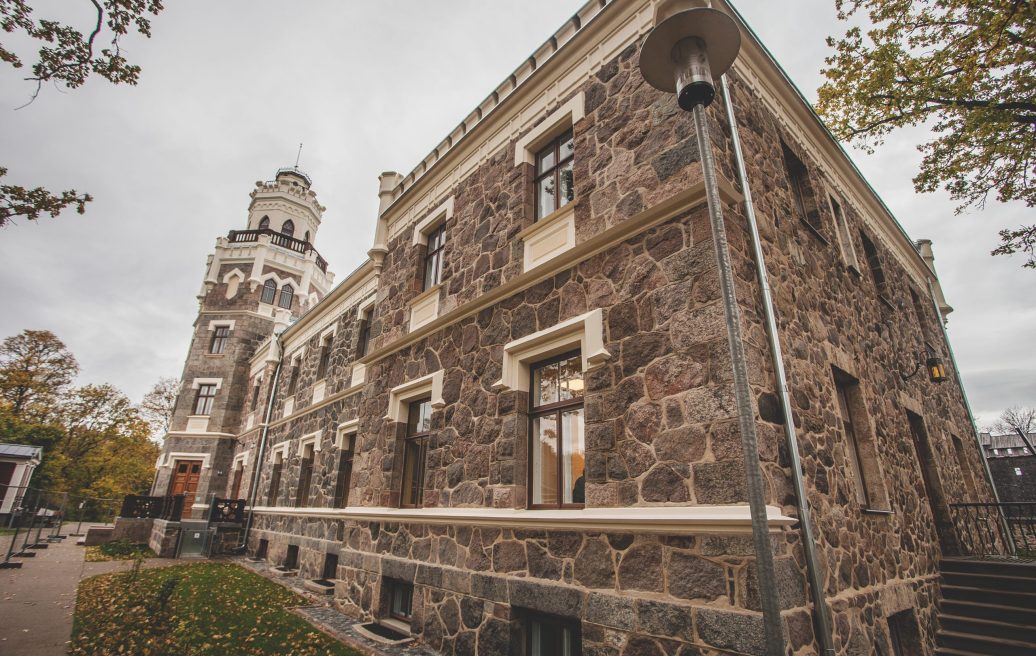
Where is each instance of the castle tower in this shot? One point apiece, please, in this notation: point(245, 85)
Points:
point(258, 280)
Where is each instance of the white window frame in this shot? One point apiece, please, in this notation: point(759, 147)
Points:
point(437, 217)
point(585, 332)
point(345, 434)
point(401, 395)
point(311, 438)
point(561, 119)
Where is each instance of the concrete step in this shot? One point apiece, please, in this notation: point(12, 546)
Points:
point(990, 581)
point(1001, 567)
point(996, 612)
point(987, 627)
point(989, 596)
point(987, 645)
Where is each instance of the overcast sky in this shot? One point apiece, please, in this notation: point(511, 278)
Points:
point(230, 88)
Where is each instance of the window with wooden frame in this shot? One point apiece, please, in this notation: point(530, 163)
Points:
point(325, 357)
point(220, 337)
point(870, 253)
point(556, 446)
point(867, 485)
point(293, 376)
point(415, 448)
point(305, 476)
point(287, 294)
point(345, 472)
point(548, 635)
point(235, 482)
point(554, 184)
point(363, 340)
point(801, 191)
point(433, 257)
point(269, 292)
point(845, 238)
point(255, 393)
point(400, 599)
point(275, 480)
point(203, 401)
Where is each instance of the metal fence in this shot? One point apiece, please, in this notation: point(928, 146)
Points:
point(170, 507)
point(990, 529)
point(34, 518)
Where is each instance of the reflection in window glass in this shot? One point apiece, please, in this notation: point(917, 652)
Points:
point(554, 183)
point(556, 421)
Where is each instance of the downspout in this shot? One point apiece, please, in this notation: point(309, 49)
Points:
point(262, 446)
point(813, 569)
point(971, 416)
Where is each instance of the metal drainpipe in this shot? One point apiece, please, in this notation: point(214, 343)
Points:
point(971, 416)
point(813, 569)
point(262, 446)
point(772, 625)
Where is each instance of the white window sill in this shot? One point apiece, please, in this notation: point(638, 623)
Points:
point(424, 308)
point(725, 520)
point(549, 237)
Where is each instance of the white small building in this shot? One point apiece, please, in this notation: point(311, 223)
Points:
point(17, 462)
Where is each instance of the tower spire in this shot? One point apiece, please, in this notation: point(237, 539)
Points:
point(299, 155)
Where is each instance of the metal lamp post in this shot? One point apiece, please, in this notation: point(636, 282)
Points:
point(689, 47)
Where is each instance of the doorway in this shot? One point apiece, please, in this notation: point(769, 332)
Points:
point(186, 474)
point(933, 489)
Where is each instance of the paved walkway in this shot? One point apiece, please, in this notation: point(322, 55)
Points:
point(37, 600)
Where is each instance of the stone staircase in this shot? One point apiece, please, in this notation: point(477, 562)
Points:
point(988, 608)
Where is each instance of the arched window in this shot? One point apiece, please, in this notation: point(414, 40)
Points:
point(288, 229)
point(269, 292)
point(286, 294)
point(307, 235)
point(264, 223)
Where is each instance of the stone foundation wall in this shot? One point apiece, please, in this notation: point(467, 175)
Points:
point(131, 529)
point(164, 538)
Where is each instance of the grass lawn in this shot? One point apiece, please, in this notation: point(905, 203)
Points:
point(212, 609)
point(119, 550)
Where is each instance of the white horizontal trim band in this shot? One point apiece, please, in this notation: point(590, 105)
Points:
point(726, 520)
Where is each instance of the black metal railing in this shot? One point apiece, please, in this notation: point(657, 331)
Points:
point(277, 239)
point(988, 529)
point(142, 507)
point(227, 511)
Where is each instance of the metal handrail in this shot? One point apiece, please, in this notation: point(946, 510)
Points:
point(988, 529)
point(290, 243)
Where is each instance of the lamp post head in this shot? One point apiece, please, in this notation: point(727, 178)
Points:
point(689, 47)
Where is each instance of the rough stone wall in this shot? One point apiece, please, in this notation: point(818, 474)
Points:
point(660, 419)
point(1010, 485)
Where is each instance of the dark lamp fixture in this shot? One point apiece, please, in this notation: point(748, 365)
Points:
point(933, 363)
point(936, 369)
point(690, 47)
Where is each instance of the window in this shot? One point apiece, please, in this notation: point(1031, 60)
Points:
point(844, 236)
point(286, 295)
point(962, 462)
point(433, 257)
point(235, 483)
point(203, 402)
point(921, 319)
point(291, 559)
point(345, 471)
point(305, 476)
point(330, 569)
point(325, 357)
point(363, 341)
point(556, 443)
point(264, 223)
point(904, 634)
point(798, 180)
point(415, 447)
point(554, 184)
point(874, 263)
point(861, 451)
point(288, 229)
point(546, 635)
point(275, 480)
point(306, 237)
point(269, 292)
point(1017, 471)
point(1010, 452)
point(255, 392)
point(220, 337)
point(996, 452)
point(293, 378)
point(400, 599)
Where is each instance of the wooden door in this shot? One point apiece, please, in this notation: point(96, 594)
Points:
point(186, 474)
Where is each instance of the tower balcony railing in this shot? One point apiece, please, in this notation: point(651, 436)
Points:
point(277, 239)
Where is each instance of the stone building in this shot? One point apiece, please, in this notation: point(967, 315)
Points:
point(1011, 465)
point(514, 423)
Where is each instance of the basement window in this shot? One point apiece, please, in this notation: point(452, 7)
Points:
point(548, 635)
point(904, 634)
